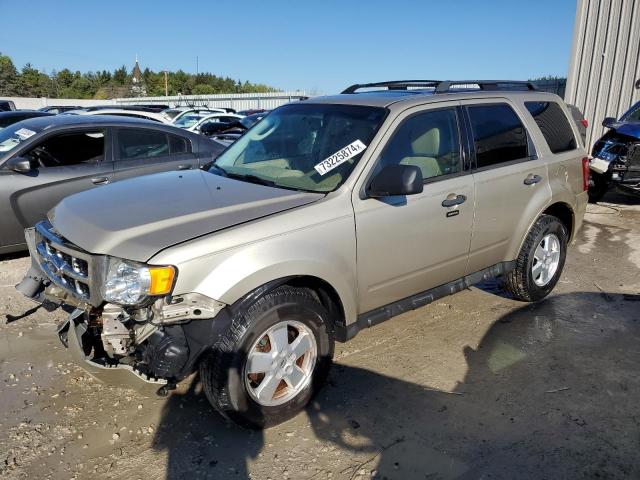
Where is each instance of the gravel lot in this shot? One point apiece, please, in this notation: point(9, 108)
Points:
point(474, 386)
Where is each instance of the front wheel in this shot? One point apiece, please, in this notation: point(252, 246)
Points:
point(272, 360)
point(540, 262)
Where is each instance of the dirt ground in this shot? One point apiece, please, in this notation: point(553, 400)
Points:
point(474, 386)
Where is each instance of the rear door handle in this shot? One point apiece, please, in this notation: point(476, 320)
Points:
point(100, 180)
point(184, 167)
point(452, 200)
point(532, 179)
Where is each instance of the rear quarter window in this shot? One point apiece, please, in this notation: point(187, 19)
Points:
point(554, 125)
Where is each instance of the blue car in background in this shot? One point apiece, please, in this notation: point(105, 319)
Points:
point(616, 156)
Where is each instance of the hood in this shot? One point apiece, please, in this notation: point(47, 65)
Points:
point(631, 129)
point(137, 218)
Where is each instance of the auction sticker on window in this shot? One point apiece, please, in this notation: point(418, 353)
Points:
point(340, 157)
point(25, 133)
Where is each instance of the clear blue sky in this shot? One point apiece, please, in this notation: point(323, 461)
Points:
point(318, 46)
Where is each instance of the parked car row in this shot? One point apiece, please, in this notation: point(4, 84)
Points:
point(45, 157)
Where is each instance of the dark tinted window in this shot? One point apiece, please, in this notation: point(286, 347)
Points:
point(498, 134)
point(554, 125)
point(135, 143)
point(179, 144)
point(427, 140)
point(70, 149)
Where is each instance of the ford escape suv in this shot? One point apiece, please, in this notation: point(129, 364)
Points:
point(329, 216)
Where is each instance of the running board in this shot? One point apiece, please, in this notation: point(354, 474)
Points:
point(386, 312)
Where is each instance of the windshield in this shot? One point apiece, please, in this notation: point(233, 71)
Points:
point(633, 115)
point(311, 147)
point(189, 120)
point(250, 120)
point(171, 113)
point(14, 135)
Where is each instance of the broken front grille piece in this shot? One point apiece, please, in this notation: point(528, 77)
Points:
point(65, 264)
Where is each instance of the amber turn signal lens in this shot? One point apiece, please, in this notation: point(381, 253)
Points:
point(161, 280)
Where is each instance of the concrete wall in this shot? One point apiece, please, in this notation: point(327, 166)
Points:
point(605, 62)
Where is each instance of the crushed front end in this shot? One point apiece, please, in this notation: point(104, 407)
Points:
point(125, 325)
point(617, 156)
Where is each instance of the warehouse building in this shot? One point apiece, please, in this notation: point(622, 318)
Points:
point(604, 75)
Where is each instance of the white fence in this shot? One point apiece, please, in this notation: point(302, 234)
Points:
point(237, 101)
point(36, 103)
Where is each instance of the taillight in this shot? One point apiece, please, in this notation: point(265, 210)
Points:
point(585, 123)
point(585, 173)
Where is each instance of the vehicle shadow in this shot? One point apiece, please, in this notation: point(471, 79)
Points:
point(13, 256)
point(550, 392)
point(621, 197)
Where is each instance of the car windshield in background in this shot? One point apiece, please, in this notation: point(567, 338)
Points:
point(171, 113)
point(187, 121)
point(633, 115)
point(14, 135)
point(311, 147)
point(250, 120)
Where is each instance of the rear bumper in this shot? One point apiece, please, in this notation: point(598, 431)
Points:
point(121, 374)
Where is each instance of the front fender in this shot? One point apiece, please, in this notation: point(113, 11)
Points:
point(326, 251)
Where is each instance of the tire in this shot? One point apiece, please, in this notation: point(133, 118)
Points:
point(222, 371)
point(521, 282)
point(599, 187)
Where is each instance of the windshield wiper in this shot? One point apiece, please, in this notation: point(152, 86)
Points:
point(215, 169)
point(218, 170)
point(252, 179)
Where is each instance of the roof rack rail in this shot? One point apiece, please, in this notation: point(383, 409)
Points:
point(393, 85)
point(444, 86)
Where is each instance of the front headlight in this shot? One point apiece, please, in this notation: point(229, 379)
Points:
point(129, 283)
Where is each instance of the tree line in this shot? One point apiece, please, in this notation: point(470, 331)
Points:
point(105, 84)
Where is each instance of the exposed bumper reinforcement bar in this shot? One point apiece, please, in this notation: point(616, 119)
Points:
point(120, 375)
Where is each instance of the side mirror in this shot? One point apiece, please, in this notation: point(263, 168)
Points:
point(609, 122)
point(21, 164)
point(396, 180)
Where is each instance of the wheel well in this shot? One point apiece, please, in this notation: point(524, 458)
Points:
point(564, 213)
point(327, 295)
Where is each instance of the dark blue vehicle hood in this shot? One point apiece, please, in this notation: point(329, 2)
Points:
point(628, 129)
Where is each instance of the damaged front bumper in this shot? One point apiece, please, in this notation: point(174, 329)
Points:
point(153, 345)
point(617, 158)
point(71, 333)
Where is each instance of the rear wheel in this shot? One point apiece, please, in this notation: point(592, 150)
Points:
point(272, 360)
point(540, 262)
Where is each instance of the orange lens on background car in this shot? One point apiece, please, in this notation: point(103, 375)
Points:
point(161, 280)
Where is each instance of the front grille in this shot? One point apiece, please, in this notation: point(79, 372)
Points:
point(65, 264)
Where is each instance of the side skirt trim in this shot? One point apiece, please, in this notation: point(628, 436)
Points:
point(386, 312)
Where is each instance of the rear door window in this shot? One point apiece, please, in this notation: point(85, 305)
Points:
point(140, 144)
point(498, 135)
point(554, 125)
point(179, 144)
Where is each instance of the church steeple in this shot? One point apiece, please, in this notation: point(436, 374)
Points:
point(137, 74)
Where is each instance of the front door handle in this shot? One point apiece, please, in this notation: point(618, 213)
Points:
point(452, 200)
point(100, 180)
point(184, 167)
point(532, 179)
